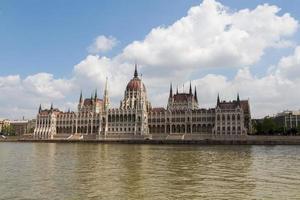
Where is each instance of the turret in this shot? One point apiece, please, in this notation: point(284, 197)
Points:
point(191, 88)
point(238, 99)
point(218, 100)
point(51, 108)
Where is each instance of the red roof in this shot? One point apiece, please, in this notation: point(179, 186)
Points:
point(135, 84)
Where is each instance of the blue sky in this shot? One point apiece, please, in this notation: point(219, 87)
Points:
point(53, 36)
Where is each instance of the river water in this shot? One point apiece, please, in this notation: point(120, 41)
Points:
point(118, 171)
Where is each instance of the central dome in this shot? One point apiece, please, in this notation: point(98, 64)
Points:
point(135, 83)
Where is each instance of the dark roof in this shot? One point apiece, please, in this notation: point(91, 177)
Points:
point(245, 106)
point(159, 109)
point(228, 104)
point(233, 104)
point(48, 111)
point(89, 101)
point(182, 97)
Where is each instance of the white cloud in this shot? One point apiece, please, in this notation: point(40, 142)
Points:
point(268, 94)
point(21, 97)
point(102, 44)
point(211, 35)
point(289, 66)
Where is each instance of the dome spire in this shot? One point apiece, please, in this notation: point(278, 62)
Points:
point(135, 71)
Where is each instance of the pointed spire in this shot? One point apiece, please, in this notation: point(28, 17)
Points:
point(51, 108)
point(105, 90)
point(195, 94)
point(177, 90)
point(218, 100)
point(96, 96)
point(105, 96)
point(238, 98)
point(135, 71)
point(80, 98)
point(191, 87)
point(40, 108)
point(171, 91)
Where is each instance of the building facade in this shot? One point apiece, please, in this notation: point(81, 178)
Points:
point(3, 124)
point(136, 118)
point(288, 119)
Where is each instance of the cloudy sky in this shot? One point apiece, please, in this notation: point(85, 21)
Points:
point(50, 50)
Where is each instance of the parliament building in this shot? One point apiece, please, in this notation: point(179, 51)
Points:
point(137, 119)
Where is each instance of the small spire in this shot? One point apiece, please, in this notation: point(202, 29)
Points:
point(80, 98)
point(96, 96)
point(191, 87)
point(177, 90)
point(51, 108)
point(135, 71)
point(40, 108)
point(195, 94)
point(238, 98)
point(218, 100)
point(171, 91)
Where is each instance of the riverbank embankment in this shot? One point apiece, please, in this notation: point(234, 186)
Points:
point(248, 140)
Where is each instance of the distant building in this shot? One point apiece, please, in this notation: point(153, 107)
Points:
point(3, 123)
point(19, 126)
point(288, 119)
point(135, 117)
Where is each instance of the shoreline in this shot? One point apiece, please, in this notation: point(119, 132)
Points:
point(249, 140)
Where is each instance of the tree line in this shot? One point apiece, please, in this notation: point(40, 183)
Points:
point(268, 126)
point(8, 130)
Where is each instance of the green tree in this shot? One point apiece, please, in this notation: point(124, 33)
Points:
point(8, 130)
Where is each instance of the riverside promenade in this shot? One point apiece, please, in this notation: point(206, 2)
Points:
point(186, 140)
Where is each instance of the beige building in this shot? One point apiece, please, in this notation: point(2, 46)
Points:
point(135, 117)
point(19, 126)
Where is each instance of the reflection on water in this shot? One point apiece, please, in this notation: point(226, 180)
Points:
point(112, 171)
